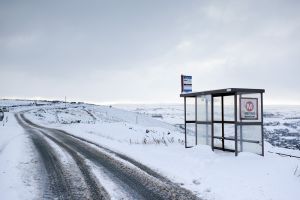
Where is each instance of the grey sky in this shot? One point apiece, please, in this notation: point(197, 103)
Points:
point(135, 51)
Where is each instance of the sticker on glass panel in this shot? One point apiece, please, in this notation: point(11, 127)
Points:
point(249, 108)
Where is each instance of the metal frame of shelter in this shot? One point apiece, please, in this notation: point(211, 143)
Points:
point(237, 121)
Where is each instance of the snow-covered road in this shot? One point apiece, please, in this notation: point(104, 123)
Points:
point(78, 169)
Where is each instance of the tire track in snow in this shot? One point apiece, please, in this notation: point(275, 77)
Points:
point(60, 182)
point(96, 189)
point(140, 179)
point(57, 185)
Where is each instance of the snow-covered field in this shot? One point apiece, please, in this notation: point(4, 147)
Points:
point(157, 143)
point(281, 123)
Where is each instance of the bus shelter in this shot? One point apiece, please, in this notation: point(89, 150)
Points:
point(227, 119)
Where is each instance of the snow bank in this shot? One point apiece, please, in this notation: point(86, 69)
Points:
point(18, 166)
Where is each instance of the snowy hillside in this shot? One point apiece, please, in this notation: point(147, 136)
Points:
point(156, 142)
point(281, 123)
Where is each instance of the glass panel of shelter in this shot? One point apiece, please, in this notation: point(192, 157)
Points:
point(203, 119)
point(190, 122)
point(221, 112)
point(223, 122)
point(250, 132)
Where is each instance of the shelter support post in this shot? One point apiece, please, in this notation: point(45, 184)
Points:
point(196, 131)
point(241, 129)
point(212, 123)
point(235, 125)
point(262, 124)
point(222, 116)
point(185, 144)
point(206, 119)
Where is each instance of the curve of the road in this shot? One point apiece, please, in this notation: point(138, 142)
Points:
point(135, 180)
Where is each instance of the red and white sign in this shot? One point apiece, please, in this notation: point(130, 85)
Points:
point(248, 108)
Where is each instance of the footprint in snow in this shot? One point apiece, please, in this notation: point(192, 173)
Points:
point(196, 182)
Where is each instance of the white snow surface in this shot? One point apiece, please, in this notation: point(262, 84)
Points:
point(157, 144)
point(18, 165)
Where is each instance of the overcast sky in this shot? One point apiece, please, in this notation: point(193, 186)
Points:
point(134, 51)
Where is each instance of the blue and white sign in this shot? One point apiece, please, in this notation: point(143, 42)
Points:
point(186, 84)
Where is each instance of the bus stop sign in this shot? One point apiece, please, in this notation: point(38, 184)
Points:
point(186, 84)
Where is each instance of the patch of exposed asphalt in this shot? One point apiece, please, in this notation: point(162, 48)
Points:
point(97, 191)
point(146, 182)
point(58, 185)
point(73, 149)
point(60, 182)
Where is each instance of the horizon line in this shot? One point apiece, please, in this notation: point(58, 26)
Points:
point(267, 103)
